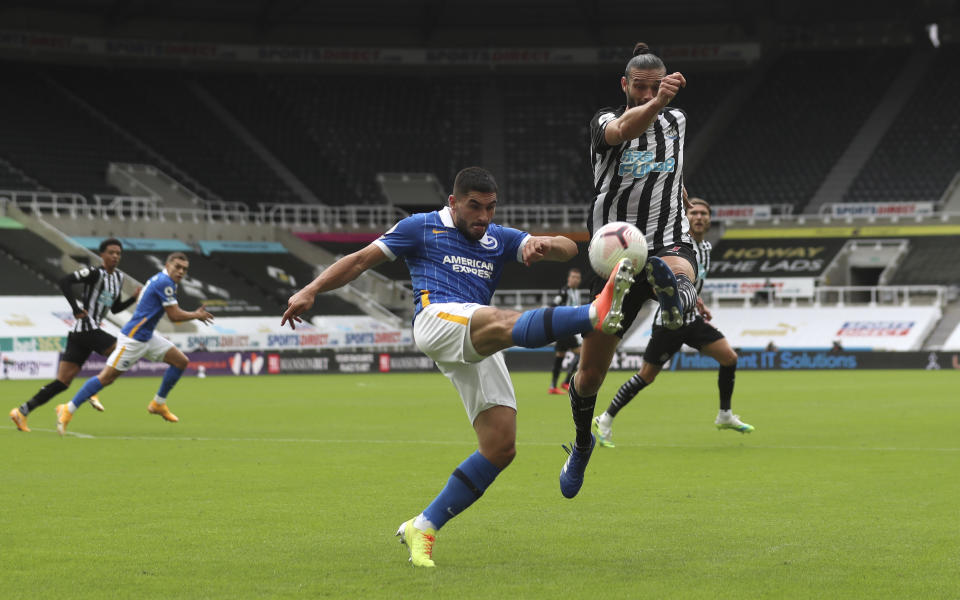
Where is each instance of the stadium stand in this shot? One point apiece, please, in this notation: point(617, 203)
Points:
point(12, 178)
point(20, 280)
point(931, 261)
point(52, 140)
point(160, 109)
point(784, 140)
point(920, 154)
point(336, 132)
point(34, 252)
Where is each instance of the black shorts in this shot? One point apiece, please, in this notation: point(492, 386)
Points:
point(81, 343)
point(664, 342)
point(641, 291)
point(568, 343)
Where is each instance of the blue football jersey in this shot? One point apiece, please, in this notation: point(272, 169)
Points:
point(445, 265)
point(159, 292)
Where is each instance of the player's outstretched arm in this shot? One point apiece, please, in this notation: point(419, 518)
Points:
point(335, 276)
point(634, 121)
point(554, 248)
point(178, 315)
point(120, 306)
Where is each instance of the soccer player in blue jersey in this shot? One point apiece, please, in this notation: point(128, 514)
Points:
point(139, 340)
point(456, 256)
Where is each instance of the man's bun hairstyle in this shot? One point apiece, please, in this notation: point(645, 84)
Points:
point(643, 60)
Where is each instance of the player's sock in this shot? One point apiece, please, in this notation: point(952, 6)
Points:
point(170, 378)
point(539, 327)
point(465, 486)
point(572, 369)
point(582, 408)
point(91, 387)
point(688, 293)
point(557, 365)
point(42, 396)
point(625, 394)
point(725, 381)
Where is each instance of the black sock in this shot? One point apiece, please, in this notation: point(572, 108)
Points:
point(688, 293)
point(582, 416)
point(626, 393)
point(43, 396)
point(573, 368)
point(557, 366)
point(725, 384)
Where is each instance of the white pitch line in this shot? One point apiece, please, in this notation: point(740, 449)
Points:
point(148, 438)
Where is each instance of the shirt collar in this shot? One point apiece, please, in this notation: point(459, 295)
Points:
point(446, 217)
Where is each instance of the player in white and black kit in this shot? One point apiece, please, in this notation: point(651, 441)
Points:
point(101, 292)
point(696, 332)
point(568, 295)
point(637, 155)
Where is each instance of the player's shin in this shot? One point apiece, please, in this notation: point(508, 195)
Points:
point(43, 396)
point(170, 379)
point(465, 486)
point(539, 327)
point(91, 387)
point(582, 408)
point(725, 381)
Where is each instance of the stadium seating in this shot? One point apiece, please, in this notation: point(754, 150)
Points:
point(52, 139)
point(336, 132)
point(34, 252)
point(160, 109)
point(931, 261)
point(20, 280)
point(920, 154)
point(785, 139)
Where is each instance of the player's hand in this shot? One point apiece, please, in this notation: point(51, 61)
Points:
point(203, 315)
point(80, 314)
point(136, 292)
point(669, 86)
point(298, 304)
point(703, 310)
point(535, 250)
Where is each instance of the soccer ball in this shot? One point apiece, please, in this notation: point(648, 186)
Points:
point(614, 241)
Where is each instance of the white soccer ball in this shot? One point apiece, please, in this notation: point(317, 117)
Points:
point(614, 241)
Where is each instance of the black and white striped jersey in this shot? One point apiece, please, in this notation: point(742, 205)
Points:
point(702, 250)
point(567, 297)
point(100, 291)
point(641, 181)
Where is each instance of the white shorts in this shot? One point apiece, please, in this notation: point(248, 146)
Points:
point(129, 351)
point(442, 332)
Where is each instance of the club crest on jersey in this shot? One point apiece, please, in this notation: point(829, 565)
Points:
point(671, 132)
point(490, 243)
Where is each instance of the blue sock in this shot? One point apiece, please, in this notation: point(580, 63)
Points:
point(464, 487)
point(170, 378)
point(539, 327)
point(90, 387)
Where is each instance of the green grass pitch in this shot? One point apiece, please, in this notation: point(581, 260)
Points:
point(293, 486)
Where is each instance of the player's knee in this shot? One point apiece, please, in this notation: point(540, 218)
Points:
point(729, 360)
point(589, 379)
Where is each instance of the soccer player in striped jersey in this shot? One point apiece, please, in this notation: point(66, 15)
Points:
point(696, 332)
point(455, 256)
point(101, 292)
point(139, 340)
point(637, 156)
point(569, 295)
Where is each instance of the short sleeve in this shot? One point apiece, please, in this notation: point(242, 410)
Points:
point(513, 242)
point(168, 295)
point(598, 127)
point(403, 238)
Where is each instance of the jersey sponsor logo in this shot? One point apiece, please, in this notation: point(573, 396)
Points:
point(471, 266)
point(488, 242)
point(638, 163)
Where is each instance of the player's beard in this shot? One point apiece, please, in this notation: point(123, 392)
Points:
point(464, 228)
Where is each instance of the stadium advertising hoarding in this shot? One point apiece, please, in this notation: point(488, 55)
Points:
point(763, 258)
point(881, 209)
point(733, 211)
point(901, 328)
point(28, 365)
point(187, 52)
point(781, 287)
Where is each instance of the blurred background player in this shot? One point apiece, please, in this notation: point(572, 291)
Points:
point(696, 333)
point(456, 256)
point(637, 155)
point(101, 291)
point(139, 340)
point(569, 295)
